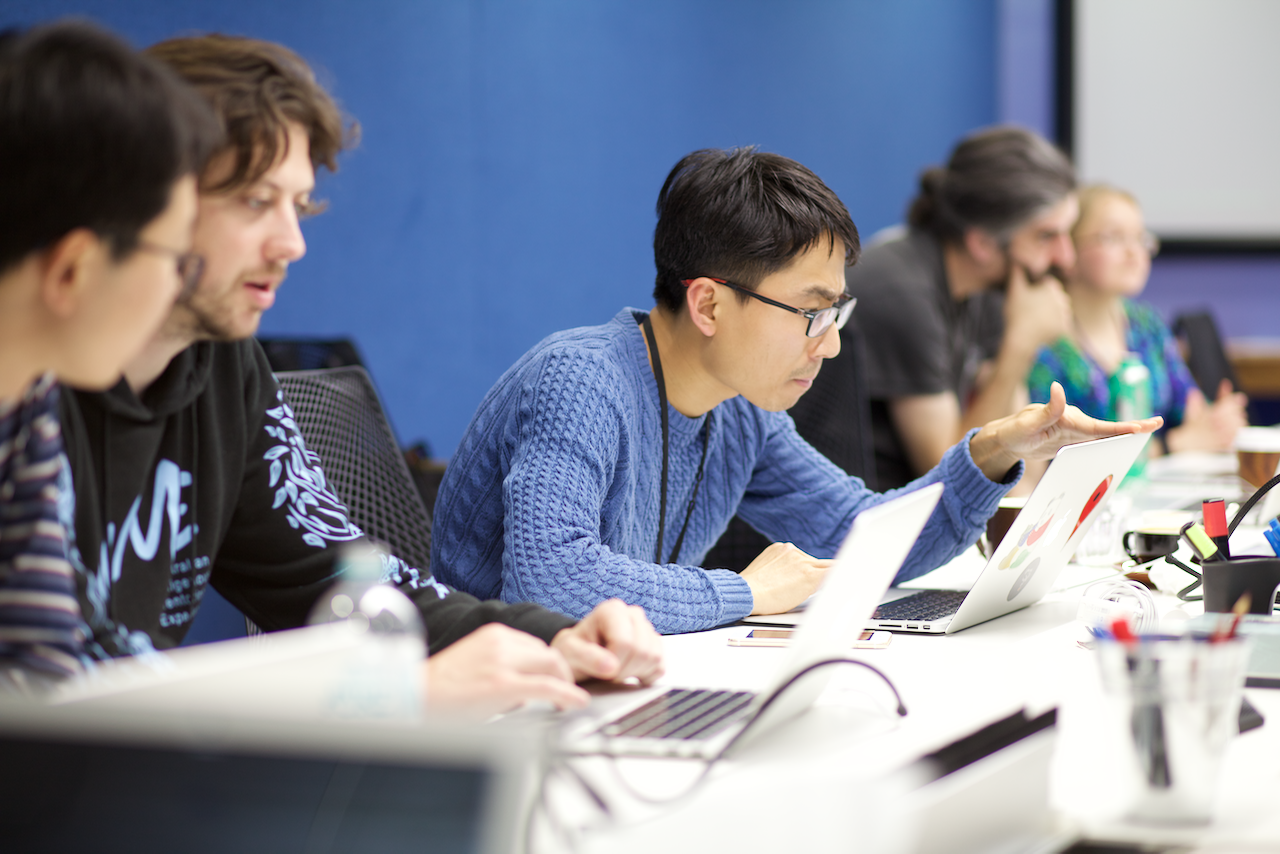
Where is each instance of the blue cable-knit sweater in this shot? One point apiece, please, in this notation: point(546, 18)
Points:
point(553, 494)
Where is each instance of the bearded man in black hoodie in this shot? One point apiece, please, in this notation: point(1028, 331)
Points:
point(173, 467)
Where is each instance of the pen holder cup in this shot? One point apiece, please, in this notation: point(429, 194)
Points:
point(1171, 709)
point(1225, 581)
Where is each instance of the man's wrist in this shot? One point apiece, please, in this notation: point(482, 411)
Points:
point(1017, 356)
point(991, 454)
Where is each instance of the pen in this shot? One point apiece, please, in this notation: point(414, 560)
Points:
point(1215, 525)
point(1273, 539)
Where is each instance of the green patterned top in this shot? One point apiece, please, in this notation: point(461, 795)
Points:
point(1087, 385)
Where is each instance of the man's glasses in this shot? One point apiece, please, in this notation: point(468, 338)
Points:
point(190, 265)
point(819, 321)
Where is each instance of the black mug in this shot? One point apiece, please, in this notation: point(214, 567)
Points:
point(1144, 546)
point(1225, 581)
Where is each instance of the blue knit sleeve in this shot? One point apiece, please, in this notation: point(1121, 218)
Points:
point(968, 500)
point(797, 495)
point(567, 469)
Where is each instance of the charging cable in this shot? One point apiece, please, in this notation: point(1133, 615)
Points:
point(1107, 600)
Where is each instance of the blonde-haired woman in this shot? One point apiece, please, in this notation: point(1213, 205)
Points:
point(1113, 260)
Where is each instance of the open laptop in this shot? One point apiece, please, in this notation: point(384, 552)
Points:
point(695, 722)
point(209, 756)
point(1040, 542)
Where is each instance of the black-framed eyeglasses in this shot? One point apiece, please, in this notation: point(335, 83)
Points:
point(190, 265)
point(820, 321)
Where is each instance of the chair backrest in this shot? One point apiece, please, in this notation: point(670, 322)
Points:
point(1206, 357)
point(835, 417)
point(310, 354)
point(342, 420)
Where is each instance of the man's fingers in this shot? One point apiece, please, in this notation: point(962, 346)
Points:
point(615, 641)
point(1195, 405)
point(563, 695)
point(525, 654)
point(1057, 401)
point(586, 658)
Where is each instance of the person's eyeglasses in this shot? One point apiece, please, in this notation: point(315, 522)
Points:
point(1146, 241)
point(819, 321)
point(190, 265)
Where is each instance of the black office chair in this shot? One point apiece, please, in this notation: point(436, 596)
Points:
point(835, 417)
point(310, 354)
point(342, 420)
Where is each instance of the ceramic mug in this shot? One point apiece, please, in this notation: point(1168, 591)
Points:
point(1000, 523)
point(1147, 545)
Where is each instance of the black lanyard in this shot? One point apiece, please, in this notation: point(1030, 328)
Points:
point(697, 479)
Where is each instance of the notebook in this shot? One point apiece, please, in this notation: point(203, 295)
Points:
point(696, 722)
point(1040, 542)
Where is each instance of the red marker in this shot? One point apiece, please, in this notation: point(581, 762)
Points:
point(1124, 634)
point(1215, 524)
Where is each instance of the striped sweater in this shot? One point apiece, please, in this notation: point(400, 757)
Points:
point(39, 615)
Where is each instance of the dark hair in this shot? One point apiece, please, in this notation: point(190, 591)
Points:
point(257, 88)
point(741, 215)
point(997, 179)
point(92, 135)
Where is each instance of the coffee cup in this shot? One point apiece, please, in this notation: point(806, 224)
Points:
point(1258, 454)
point(1148, 544)
point(1000, 523)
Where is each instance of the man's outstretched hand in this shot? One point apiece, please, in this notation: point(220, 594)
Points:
point(1039, 430)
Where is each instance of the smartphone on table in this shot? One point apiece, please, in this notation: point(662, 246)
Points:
point(782, 637)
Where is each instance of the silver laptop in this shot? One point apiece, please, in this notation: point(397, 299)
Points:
point(1042, 539)
point(144, 763)
point(695, 722)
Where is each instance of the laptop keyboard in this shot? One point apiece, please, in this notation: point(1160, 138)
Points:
point(925, 605)
point(682, 713)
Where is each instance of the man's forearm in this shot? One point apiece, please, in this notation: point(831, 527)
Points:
point(1003, 394)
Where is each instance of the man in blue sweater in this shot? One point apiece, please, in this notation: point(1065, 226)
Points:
point(609, 459)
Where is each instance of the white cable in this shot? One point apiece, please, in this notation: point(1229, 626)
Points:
point(1106, 600)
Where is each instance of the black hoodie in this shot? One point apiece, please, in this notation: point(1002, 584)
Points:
point(205, 480)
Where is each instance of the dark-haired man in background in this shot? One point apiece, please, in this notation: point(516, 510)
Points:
point(610, 458)
point(190, 472)
point(99, 147)
point(955, 309)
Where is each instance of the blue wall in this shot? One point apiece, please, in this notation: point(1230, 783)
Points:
point(513, 150)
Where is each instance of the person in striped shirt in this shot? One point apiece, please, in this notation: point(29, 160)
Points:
point(99, 148)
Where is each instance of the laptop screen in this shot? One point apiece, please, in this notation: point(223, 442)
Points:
point(59, 794)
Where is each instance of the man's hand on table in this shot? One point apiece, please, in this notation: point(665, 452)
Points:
point(614, 642)
point(496, 668)
point(782, 577)
point(1039, 430)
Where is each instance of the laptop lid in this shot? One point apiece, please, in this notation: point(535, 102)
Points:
point(1044, 536)
point(871, 555)
point(90, 777)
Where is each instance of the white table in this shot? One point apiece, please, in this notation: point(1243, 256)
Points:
point(824, 779)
